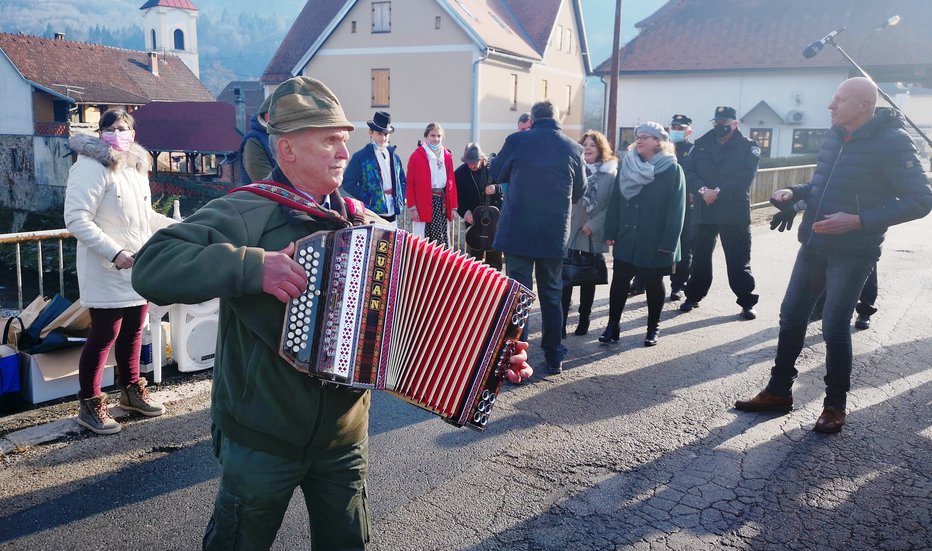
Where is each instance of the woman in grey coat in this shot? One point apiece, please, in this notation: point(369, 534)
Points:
point(643, 225)
point(587, 224)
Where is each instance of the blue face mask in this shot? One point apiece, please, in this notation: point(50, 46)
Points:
point(677, 136)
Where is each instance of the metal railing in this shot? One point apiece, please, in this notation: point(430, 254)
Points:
point(38, 237)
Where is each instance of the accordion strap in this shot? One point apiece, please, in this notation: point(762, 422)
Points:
point(284, 195)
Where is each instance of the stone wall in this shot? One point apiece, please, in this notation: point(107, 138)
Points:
point(19, 190)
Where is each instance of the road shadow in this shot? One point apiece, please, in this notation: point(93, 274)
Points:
point(758, 481)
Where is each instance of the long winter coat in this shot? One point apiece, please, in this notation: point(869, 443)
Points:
point(646, 228)
point(418, 185)
point(604, 180)
point(876, 175)
point(546, 173)
point(108, 208)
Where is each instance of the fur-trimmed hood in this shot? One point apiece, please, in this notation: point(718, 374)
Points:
point(100, 151)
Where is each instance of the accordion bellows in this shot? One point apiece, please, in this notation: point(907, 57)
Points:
point(387, 310)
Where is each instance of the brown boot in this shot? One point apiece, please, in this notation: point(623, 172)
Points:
point(831, 420)
point(94, 415)
point(765, 401)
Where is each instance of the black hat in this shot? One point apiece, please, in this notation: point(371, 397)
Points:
point(681, 120)
point(473, 153)
point(381, 122)
point(725, 113)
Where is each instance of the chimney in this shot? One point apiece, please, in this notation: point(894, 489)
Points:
point(240, 102)
point(59, 36)
point(154, 63)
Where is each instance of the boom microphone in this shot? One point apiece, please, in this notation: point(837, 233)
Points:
point(813, 49)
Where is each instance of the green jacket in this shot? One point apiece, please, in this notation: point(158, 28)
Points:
point(652, 220)
point(257, 399)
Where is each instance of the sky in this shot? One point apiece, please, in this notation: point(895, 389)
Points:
point(599, 17)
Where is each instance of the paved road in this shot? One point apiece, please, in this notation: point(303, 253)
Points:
point(631, 448)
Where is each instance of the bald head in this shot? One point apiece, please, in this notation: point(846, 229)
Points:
point(853, 103)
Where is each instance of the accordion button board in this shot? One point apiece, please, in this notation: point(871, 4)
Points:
point(387, 310)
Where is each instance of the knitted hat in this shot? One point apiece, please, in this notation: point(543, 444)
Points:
point(653, 129)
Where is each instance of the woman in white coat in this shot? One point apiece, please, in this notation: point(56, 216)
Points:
point(108, 209)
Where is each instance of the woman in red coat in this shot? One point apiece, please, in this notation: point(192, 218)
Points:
point(431, 189)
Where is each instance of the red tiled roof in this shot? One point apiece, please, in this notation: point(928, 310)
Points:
point(205, 127)
point(183, 4)
point(253, 93)
point(90, 73)
point(697, 35)
point(536, 18)
point(307, 28)
point(526, 30)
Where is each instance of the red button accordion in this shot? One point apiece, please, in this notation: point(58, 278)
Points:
point(387, 310)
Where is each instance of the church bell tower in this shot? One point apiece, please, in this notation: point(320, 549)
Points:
point(170, 27)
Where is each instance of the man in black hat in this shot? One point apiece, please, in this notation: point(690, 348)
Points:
point(375, 174)
point(475, 189)
point(719, 171)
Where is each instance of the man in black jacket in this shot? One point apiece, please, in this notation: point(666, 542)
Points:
point(719, 171)
point(852, 200)
point(546, 173)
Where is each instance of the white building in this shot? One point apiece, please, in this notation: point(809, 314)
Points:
point(693, 55)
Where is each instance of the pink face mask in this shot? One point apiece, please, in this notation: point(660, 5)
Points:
point(119, 140)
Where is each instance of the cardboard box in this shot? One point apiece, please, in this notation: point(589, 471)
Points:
point(55, 375)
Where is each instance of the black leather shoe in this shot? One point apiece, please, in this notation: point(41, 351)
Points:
point(831, 420)
point(749, 313)
point(651, 338)
point(611, 334)
point(688, 306)
point(765, 401)
point(633, 292)
point(863, 322)
point(676, 295)
point(555, 368)
point(583, 326)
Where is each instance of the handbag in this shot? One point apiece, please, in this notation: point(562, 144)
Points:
point(583, 268)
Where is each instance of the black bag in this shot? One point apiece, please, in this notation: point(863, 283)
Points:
point(582, 268)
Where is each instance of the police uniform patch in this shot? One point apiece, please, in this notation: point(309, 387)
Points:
point(755, 150)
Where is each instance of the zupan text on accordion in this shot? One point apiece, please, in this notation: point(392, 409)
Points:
point(387, 310)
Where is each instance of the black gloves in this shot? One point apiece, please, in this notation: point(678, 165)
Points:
point(783, 220)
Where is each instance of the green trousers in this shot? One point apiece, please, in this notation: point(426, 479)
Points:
point(256, 487)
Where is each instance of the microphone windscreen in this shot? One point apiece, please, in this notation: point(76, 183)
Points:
point(812, 50)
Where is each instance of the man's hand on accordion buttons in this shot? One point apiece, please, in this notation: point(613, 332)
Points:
point(783, 219)
point(519, 368)
point(282, 277)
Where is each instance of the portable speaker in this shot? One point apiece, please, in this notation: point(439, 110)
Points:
point(194, 334)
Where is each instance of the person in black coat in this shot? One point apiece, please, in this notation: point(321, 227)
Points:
point(546, 173)
point(719, 171)
point(474, 189)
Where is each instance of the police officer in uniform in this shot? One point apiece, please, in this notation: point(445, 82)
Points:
point(680, 133)
point(719, 171)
